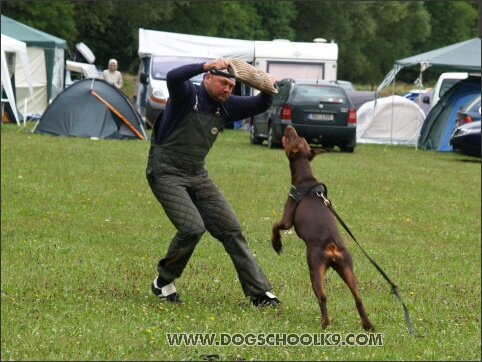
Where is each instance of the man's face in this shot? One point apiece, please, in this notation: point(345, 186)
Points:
point(219, 87)
point(112, 66)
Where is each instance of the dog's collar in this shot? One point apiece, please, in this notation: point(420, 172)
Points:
point(299, 193)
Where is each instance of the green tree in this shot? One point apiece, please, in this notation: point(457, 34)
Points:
point(53, 17)
point(111, 28)
point(399, 25)
point(276, 19)
point(370, 35)
point(451, 22)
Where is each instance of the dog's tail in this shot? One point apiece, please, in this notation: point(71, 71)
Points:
point(276, 241)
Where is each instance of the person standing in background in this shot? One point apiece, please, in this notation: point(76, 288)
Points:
point(112, 75)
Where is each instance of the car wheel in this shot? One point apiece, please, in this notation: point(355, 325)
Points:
point(255, 140)
point(271, 143)
point(347, 149)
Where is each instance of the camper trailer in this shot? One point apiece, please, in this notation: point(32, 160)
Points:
point(161, 51)
point(297, 60)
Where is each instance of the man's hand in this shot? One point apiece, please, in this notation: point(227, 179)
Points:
point(216, 64)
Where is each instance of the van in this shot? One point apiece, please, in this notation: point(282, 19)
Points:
point(444, 83)
point(154, 91)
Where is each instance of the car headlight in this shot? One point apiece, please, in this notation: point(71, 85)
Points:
point(465, 131)
point(158, 93)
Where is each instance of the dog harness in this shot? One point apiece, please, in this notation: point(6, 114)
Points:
point(299, 194)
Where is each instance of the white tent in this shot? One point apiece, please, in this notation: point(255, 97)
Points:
point(389, 120)
point(14, 46)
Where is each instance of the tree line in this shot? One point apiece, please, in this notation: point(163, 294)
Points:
point(370, 35)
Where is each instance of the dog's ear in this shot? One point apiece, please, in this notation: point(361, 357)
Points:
point(293, 150)
point(315, 151)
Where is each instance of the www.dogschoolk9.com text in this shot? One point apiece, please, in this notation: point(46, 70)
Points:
point(274, 339)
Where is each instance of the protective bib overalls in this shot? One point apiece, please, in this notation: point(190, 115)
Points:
point(194, 204)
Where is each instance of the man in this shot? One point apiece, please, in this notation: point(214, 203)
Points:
point(112, 75)
point(181, 139)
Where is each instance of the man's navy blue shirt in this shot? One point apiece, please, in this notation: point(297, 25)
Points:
point(182, 97)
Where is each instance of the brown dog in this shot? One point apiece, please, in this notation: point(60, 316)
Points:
point(316, 225)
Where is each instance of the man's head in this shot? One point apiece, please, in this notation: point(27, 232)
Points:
point(219, 84)
point(113, 64)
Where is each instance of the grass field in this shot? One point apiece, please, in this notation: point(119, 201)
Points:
point(82, 234)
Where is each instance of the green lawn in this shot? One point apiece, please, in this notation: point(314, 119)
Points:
point(82, 234)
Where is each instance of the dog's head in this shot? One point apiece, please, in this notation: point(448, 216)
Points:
point(296, 146)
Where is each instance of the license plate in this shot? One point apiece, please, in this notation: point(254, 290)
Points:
point(320, 116)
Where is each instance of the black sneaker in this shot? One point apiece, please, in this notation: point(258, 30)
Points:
point(266, 299)
point(167, 293)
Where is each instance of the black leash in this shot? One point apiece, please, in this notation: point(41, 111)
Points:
point(324, 195)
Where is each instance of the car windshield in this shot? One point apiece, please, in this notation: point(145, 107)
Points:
point(319, 93)
point(446, 85)
point(162, 64)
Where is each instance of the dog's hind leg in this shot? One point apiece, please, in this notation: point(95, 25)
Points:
point(318, 266)
point(345, 270)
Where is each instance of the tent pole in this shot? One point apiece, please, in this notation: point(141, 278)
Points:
point(25, 113)
point(391, 121)
point(423, 66)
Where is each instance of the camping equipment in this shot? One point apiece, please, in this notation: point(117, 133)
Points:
point(92, 108)
point(437, 127)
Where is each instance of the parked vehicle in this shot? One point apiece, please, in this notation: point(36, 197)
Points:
point(156, 93)
point(470, 112)
point(321, 112)
point(465, 139)
point(444, 83)
point(298, 60)
point(413, 94)
point(348, 86)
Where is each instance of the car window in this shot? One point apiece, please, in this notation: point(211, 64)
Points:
point(163, 64)
point(446, 85)
point(317, 93)
point(283, 91)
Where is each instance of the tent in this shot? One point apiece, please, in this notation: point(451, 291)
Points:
point(46, 55)
point(92, 108)
point(377, 124)
point(10, 45)
point(438, 126)
point(463, 56)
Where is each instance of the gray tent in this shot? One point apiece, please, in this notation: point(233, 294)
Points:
point(92, 108)
point(463, 56)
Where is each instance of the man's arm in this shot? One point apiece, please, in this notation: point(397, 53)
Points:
point(242, 107)
point(177, 80)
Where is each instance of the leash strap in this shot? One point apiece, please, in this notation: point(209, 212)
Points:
point(394, 287)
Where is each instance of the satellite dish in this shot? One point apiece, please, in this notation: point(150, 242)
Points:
point(86, 52)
